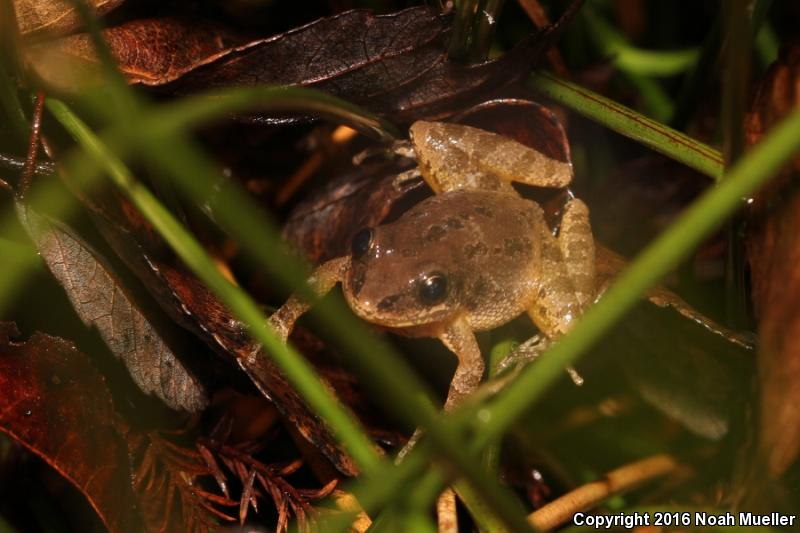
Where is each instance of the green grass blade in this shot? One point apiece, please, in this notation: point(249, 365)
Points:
point(634, 60)
point(631, 124)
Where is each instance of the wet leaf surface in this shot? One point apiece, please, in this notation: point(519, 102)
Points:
point(101, 301)
point(57, 405)
point(55, 16)
point(773, 249)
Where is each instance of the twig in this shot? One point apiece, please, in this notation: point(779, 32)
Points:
point(33, 145)
point(539, 17)
point(617, 481)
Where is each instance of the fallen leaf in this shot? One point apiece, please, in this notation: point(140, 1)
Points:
point(395, 65)
point(101, 301)
point(58, 406)
point(773, 250)
point(148, 51)
point(55, 16)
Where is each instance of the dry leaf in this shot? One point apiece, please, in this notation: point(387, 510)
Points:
point(101, 301)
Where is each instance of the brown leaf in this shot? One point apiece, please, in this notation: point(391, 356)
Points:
point(147, 51)
point(57, 405)
point(395, 65)
point(323, 225)
point(101, 301)
point(773, 250)
point(55, 16)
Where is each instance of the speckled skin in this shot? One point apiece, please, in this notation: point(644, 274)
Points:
point(494, 248)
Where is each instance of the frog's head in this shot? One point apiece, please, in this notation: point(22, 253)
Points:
point(393, 284)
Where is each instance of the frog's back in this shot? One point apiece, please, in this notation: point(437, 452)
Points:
point(490, 245)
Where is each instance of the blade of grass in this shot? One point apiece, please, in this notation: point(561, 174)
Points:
point(483, 33)
point(634, 60)
point(735, 86)
point(631, 124)
point(461, 30)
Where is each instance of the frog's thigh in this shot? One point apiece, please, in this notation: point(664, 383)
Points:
point(514, 161)
point(460, 339)
point(321, 282)
point(577, 246)
point(454, 156)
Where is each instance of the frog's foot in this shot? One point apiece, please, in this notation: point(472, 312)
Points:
point(403, 180)
point(526, 353)
point(402, 148)
point(282, 321)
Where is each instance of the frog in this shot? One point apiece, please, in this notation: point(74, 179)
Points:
point(470, 258)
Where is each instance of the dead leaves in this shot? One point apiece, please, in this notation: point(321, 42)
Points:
point(395, 65)
point(147, 51)
point(55, 16)
point(101, 301)
point(56, 404)
point(773, 249)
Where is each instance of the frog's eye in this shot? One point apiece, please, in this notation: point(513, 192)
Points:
point(360, 243)
point(433, 288)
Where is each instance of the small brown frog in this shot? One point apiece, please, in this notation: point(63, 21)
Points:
point(473, 257)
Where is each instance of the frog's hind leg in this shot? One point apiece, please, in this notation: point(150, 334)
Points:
point(455, 156)
point(577, 247)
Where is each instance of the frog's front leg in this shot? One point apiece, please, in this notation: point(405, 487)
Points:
point(321, 282)
point(460, 339)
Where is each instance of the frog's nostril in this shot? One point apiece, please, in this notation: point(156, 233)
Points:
point(356, 281)
point(388, 302)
